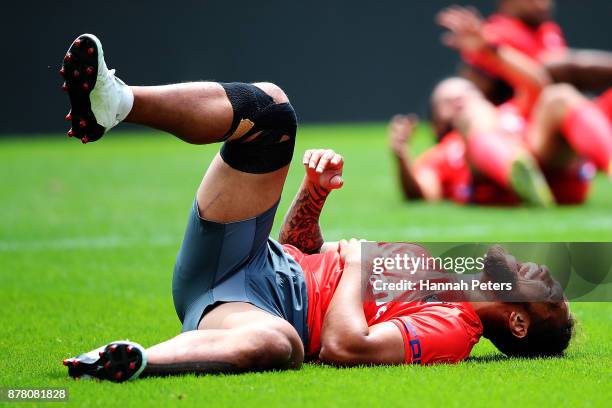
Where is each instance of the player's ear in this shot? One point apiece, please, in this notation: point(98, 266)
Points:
point(518, 322)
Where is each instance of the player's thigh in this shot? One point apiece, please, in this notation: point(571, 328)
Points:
point(253, 321)
point(229, 195)
point(248, 175)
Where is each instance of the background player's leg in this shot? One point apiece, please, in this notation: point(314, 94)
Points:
point(565, 125)
point(492, 154)
point(604, 102)
point(202, 113)
point(501, 157)
point(238, 337)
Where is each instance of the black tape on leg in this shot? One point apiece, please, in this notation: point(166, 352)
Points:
point(262, 133)
point(247, 102)
point(258, 158)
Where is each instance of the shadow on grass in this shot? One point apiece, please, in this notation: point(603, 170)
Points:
point(494, 358)
point(489, 358)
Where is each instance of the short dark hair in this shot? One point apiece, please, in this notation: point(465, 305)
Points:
point(545, 339)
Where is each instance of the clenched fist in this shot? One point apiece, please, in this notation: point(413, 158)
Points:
point(324, 168)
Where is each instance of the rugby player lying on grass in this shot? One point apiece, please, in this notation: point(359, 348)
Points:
point(248, 302)
point(496, 155)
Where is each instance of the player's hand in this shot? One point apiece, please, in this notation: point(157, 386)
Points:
point(350, 250)
point(401, 128)
point(465, 28)
point(324, 168)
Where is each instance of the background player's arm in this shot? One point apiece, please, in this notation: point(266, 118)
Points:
point(416, 184)
point(346, 338)
point(301, 226)
point(466, 34)
point(588, 70)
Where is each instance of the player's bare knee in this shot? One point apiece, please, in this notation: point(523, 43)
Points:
point(277, 350)
point(268, 349)
point(560, 96)
point(274, 91)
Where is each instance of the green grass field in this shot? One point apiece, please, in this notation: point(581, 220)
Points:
point(88, 236)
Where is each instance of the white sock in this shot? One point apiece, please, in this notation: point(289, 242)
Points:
point(126, 103)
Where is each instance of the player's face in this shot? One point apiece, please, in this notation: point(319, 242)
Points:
point(533, 285)
point(534, 282)
point(533, 12)
point(449, 99)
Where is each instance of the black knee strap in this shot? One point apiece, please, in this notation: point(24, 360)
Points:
point(262, 132)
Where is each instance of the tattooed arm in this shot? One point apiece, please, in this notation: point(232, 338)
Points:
point(301, 227)
point(323, 174)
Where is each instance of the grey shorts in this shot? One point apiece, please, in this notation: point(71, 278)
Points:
point(237, 262)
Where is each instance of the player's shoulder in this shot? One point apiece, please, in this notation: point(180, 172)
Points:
point(498, 18)
point(449, 143)
point(552, 37)
point(452, 140)
point(449, 154)
point(500, 24)
point(505, 30)
point(551, 27)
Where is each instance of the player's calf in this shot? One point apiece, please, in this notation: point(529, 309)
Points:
point(254, 348)
point(235, 351)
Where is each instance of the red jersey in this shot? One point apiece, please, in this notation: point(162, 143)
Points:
point(433, 332)
point(540, 44)
point(448, 161)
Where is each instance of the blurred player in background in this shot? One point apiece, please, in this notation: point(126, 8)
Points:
point(488, 154)
point(527, 26)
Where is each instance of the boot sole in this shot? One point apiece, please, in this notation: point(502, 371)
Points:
point(80, 70)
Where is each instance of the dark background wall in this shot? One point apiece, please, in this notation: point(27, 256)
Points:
point(338, 60)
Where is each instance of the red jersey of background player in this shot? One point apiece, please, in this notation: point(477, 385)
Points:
point(546, 41)
point(448, 161)
point(433, 332)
